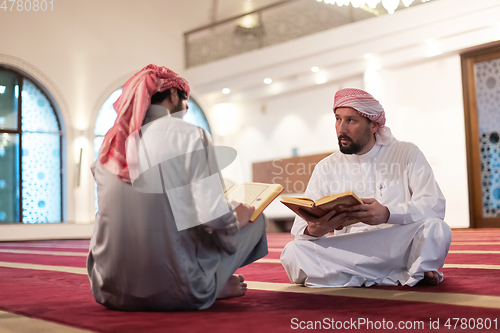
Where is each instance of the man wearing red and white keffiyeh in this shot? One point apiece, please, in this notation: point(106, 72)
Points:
point(131, 109)
point(165, 237)
point(400, 236)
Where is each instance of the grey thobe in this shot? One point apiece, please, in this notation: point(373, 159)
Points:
point(140, 261)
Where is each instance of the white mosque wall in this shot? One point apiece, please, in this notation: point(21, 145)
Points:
point(425, 106)
point(88, 49)
point(413, 68)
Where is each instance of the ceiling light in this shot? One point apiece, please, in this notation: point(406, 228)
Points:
point(314, 69)
point(226, 91)
point(357, 3)
point(389, 5)
point(433, 48)
point(321, 80)
point(373, 66)
point(268, 80)
point(368, 56)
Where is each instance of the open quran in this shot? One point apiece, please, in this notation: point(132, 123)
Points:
point(338, 202)
point(258, 195)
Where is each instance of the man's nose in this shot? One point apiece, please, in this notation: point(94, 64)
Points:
point(342, 127)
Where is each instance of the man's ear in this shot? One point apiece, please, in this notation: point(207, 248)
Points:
point(374, 127)
point(174, 96)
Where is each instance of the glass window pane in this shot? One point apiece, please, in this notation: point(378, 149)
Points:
point(97, 145)
point(105, 120)
point(9, 91)
point(107, 114)
point(487, 81)
point(9, 178)
point(41, 167)
point(37, 113)
point(196, 116)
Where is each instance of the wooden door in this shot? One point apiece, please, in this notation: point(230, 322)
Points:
point(481, 87)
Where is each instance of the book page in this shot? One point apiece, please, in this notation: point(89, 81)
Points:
point(333, 197)
point(247, 192)
point(299, 201)
point(257, 195)
point(229, 185)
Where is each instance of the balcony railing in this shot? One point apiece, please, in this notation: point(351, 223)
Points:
point(280, 22)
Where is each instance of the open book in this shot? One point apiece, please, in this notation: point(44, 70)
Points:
point(258, 195)
point(338, 202)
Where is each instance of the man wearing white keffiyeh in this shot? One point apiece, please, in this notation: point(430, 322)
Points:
point(400, 238)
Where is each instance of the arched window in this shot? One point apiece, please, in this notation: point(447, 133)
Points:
point(196, 116)
point(30, 152)
point(107, 116)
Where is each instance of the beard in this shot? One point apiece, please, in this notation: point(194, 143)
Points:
point(178, 107)
point(351, 148)
point(354, 147)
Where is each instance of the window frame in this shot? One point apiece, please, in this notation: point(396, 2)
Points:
point(20, 78)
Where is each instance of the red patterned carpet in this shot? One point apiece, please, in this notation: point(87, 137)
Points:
point(47, 280)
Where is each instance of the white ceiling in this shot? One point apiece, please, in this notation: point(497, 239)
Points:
point(394, 41)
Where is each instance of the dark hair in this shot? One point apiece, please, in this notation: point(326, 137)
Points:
point(159, 97)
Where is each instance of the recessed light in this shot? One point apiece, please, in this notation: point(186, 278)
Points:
point(226, 91)
point(368, 56)
point(321, 80)
point(315, 69)
point(268, 80)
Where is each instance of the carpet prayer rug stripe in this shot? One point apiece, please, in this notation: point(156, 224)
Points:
point(53, 253)
point(10, 323)
point(278, 286)
point(430, 297)
point(64, 269)
point(65, 298)
point(452, 299)
point(47, 280)
point(43, 260)
point(53, 247)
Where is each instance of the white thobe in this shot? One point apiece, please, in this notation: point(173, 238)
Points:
point(414, 240)
point(140, 259)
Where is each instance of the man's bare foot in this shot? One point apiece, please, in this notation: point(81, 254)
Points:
point(430, 278)
point(234, 287)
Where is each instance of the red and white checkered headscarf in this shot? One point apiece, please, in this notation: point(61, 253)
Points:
point(131, 108)
point(367, 106)
point(362, 102)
